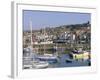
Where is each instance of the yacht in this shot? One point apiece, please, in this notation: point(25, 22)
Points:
point(32, 61)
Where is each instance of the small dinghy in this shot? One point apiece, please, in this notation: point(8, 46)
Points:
point(28, 66)
point(40, 64)
point(69, 60)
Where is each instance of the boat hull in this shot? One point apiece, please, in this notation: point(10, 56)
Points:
point(49, 59)
point(40, 65)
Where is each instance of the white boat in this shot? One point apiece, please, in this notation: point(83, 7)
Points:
point(45, 56)
point(48, 57)
point(27, 66)
point(40, 64)
point(35, 63)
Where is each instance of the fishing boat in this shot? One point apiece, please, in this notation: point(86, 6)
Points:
point(80, 55)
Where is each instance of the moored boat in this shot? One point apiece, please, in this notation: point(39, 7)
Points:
point(47, 57)
point(40, 64)
point(69, 60)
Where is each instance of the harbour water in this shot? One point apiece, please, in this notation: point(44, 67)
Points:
point(74, 63)
point(55, 61)
point(62, 62)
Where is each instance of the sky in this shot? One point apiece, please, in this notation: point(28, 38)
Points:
point(42, 19)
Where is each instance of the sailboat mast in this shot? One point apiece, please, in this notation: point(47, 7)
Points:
point(31, 32)
point(44, 40)
point(31, 41)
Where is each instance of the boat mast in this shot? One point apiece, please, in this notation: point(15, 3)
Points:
point(44, 40)
point(31, 42)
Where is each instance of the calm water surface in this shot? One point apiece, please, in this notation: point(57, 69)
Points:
point(62, 62)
